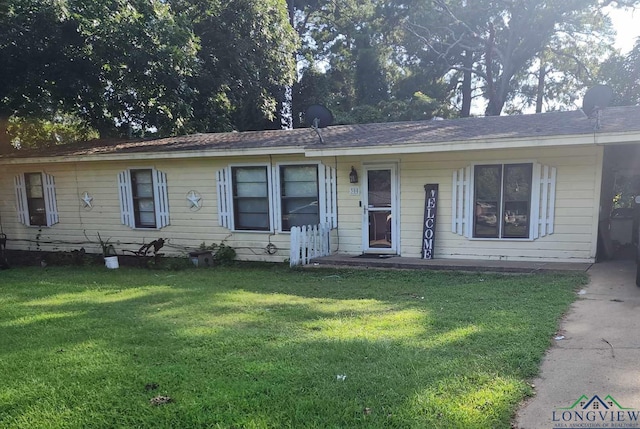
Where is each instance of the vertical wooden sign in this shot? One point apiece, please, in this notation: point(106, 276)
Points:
point(430, 209)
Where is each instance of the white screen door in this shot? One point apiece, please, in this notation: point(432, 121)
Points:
point(380, 209)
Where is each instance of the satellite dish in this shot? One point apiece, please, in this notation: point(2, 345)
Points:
point(596, 99)
point(318, 116)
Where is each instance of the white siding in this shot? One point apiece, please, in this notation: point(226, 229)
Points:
point(574, 237)
point(188, 228)
point(576, 209)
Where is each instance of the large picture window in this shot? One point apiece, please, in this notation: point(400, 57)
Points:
point(299, 195)
point(251, 198)
point(502, 200)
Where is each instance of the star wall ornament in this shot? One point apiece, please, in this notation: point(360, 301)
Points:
point(195, 200)
point(86, 200)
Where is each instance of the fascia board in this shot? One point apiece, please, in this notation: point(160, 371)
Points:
point(480, 144)
point(607, 139)
point(138, 156)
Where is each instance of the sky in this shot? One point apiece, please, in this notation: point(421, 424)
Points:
point(627, 24)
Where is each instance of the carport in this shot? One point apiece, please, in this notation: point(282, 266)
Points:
point(618, 221)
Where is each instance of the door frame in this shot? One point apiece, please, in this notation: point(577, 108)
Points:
point(395, 208)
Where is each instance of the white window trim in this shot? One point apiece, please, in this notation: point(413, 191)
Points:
point(543, 194)
point(49, 195)
point(160, 198)
point(322, 209)
point(270, 196)
point(327, 195)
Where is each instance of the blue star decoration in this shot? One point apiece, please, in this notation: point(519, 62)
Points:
point(194, 199)
point(86, 199)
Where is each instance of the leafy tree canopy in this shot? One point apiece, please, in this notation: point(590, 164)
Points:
point(138, 66)
point(622, 73)
point(508, 39)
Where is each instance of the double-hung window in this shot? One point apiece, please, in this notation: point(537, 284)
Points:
point(144, 202)
point(142, 194)
point(503, 201)
point(251, 198)
point(276, 198)
point(36, 199)
point(299, 196)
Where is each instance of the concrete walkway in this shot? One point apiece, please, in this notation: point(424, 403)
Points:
point(599, 355)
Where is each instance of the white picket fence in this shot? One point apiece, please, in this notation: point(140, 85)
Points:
point(308, 242)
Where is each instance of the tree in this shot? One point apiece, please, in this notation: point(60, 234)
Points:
point(115, 65)
point(24, 133)
point(622, 73)
point(506, 37)
point(126, 67)
point(352, 51)
point(246, 59)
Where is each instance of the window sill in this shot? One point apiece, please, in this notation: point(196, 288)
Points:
point(501, 239)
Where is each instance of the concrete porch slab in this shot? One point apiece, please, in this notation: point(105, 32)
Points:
point(399, 262)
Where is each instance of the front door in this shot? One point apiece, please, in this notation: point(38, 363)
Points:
point(380, 234)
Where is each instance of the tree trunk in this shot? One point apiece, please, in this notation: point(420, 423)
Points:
point(495, 87)
point(5, 143)
point(292, 10)
point(540, 90)
point(466, 83)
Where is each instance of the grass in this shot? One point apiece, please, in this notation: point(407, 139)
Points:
point(262, 347)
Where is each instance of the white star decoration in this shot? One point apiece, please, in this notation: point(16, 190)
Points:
point(194, 199)
point(86, 199)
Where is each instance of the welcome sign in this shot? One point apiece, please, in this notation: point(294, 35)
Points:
point(430, 209)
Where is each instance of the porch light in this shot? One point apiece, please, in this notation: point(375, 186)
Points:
point(353, 176)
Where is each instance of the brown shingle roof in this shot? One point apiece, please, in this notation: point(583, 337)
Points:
point(613, 120)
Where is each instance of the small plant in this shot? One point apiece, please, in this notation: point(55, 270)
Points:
point(107, 249)
point(225, 255)
point(222, 253)
point(203, 247)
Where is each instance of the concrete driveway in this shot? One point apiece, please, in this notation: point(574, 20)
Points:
point(591, 377)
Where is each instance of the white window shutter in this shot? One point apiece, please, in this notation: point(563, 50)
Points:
point(50, 204)
point(21, 200)
point(327, 196)
point(276, 200)
point(543, 200)
point(126, 200)
point(223, 183)
point(461, 202)
point(161, 197)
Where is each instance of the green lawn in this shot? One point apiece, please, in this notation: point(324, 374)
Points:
point(258, 347)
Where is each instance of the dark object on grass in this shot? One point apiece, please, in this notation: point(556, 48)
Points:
point(161, 400)
point(150, 386)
